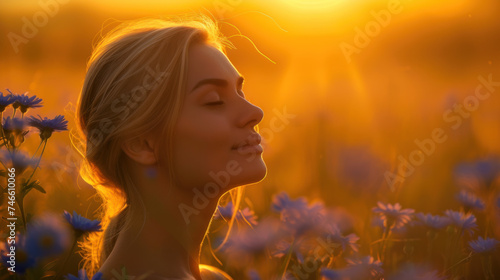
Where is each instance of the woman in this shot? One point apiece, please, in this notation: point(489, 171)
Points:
point(168, 131)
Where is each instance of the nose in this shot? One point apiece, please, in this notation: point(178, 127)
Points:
point(250, 115)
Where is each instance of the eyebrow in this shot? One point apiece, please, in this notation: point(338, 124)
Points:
point(217, 82)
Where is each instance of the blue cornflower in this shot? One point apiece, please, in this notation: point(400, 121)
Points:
point(299, 217)
point(80, 224)
point(253, 240)
point(482, 246)
point(47, 126)
point(20, 160)
point(481, 173)
point(331, 274)
point(464, 222)
point(82, 275)
point(283, 247)
point(362, 268)
point(24, 102)
point(13, 128)
point(24, 259)
point(431, 221)
point(300, 220)
point(13, 124)
point(47, 237)
point(469, 200)
point(392, 215)
point(347, 243)
point(253, 275)
point(282, 201)
point(226, 212)
point(5, 101)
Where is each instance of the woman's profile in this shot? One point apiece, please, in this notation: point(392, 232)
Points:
point(167, 131)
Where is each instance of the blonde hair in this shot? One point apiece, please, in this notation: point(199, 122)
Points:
point(134, 85)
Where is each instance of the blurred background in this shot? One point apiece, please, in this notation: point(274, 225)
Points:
point(347, 87)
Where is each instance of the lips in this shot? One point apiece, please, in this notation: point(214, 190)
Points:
point(253, 140)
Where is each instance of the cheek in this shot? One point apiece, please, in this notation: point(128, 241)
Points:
point(201, 145)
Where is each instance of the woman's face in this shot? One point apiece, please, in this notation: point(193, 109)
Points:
point(214, 139)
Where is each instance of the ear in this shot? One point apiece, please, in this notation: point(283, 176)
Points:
point(141, 150)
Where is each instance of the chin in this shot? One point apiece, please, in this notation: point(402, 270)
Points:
point(251, 173)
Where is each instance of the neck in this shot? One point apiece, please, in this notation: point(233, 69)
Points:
point(166, 245)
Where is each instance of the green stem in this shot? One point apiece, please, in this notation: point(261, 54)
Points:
point(458, 263)
point(59, 273)
point(287, 261)
point(4, 137)
point(41, 141)
point(385, 236)
point(38, 163)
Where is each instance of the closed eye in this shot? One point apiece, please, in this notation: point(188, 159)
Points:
point(215, 103)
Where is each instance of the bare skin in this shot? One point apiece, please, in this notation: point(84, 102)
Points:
point(215, 127)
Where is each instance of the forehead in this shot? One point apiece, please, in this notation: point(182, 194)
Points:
point(206, 62)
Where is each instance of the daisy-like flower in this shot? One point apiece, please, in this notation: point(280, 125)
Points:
point(282, 201)
point(330, 274)
point(24, 259)
point(301, 220)
point(47, 237)
point(470, 201)
point(484, 246)
point(392, 215)
point(251, 241)
point(13, 124)
point(24, 102)
point(464, 222)
point(481, 173)
point(13, 128)
point(82, 275)
point(5, 101)
point(226, 212)
point(80, 224)
point(47, 126)
point(431, 221)
point(297, 216)
point(365, 268)
point(19, 160)
point(346, 243)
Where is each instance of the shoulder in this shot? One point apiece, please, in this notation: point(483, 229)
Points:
point(212, 273)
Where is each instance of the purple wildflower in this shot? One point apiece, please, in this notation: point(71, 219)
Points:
point(483, 246)
point(13, 128)
point(81, 224)
point(347, 243)
point(82, 275)
point(481, 173)
point(431, 221)
point(5, 101)
point(13, 125)
point(20, 160)
point(282, 201)
point(253, 240)
point(392, 215)
point(469, 200)
point(24, 259)
point(226, 212)
point(47, 126)
point(46, 237)
point(24, 102)
point(464, 222)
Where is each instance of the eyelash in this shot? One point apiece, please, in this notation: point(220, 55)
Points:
point(220, 102)
point(215, 103)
